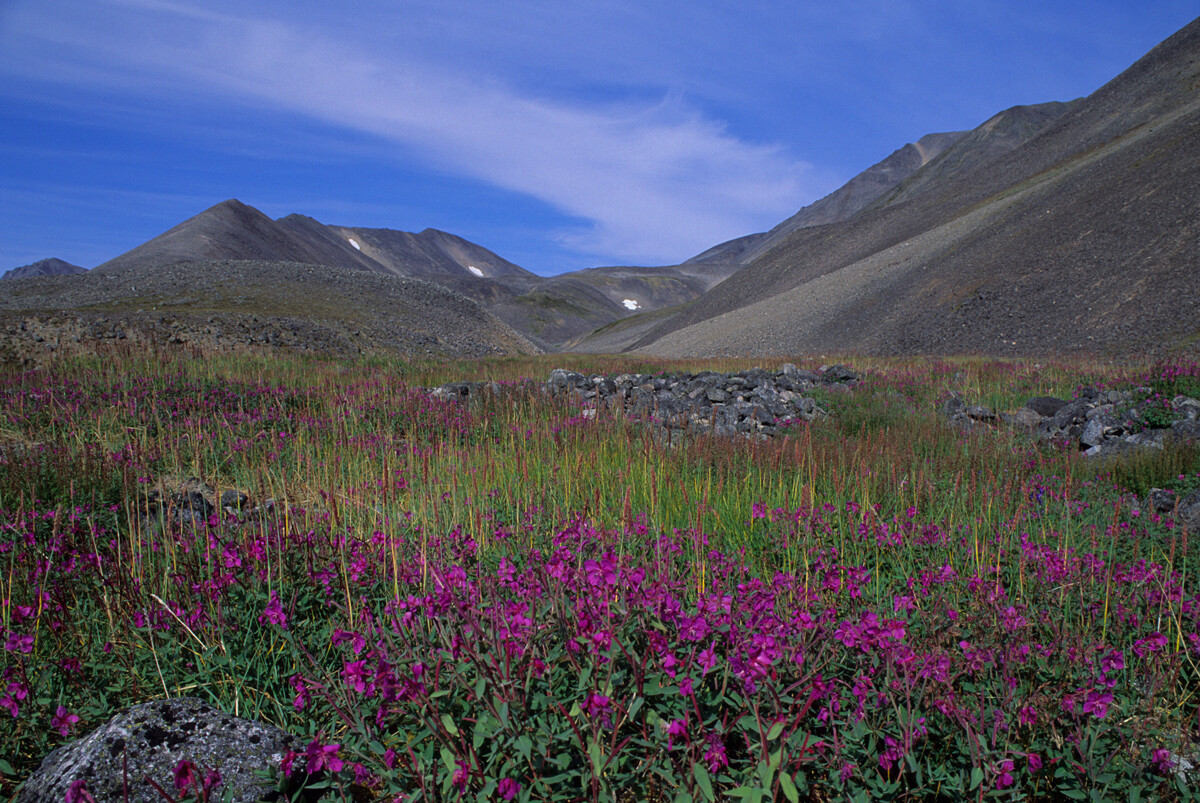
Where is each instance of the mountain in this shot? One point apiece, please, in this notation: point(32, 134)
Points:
point(43, 267)
point(549, 310)
point(236, 304)
point(1060, 227)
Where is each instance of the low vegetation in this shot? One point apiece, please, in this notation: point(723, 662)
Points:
point(514, 600)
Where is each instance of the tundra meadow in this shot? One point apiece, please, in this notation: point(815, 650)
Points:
point(513, 598)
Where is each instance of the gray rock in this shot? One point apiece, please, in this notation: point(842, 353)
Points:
point(1026, 418)
point(234, 500)
point(1093, 433)
point(149, 740)
point(1186, 430)
point(1070, 413)
point(839, 373)
point(1046, 406)
point(978, 412)
point(1160, 500)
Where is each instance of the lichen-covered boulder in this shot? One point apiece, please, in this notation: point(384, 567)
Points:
point(149, 741)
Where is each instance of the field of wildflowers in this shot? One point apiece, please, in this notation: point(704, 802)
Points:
point(510, 600)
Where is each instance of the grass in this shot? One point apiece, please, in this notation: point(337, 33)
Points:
point(923, 608)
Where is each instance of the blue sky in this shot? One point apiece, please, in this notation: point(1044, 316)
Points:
point(561, 135)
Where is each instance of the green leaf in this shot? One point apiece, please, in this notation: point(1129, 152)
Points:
point(524, 746)
point(683, 797)
point(774, 732)
point(700, 773)
point(594, 754)
point(976, 777)
point(1075, 794)
point(789, 788)
point(448, 724)
point(6, 768)
point(449, 760)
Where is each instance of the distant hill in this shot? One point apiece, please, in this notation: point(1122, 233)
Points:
point(549, 310)
point(239, 304)
point(43, 267)
point(1058, 227)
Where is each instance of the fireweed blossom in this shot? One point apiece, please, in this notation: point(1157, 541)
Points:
point(273, 613)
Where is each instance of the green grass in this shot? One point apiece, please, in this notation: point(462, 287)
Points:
point(354, 449)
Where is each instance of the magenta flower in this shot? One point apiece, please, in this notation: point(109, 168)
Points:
point(508, 788)
point(596, 705)
point(1162, 761)
point(63, 721)
point(356, 675)
point(1034, 761)
point(1097, 704)
point(677, 729)
point(1005, 778)
point(77, 793)
point(185, 776)
point(274, 613)
point(322, 757)
point(19, 643)
point(715, 754)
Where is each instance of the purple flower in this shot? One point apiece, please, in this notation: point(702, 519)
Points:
point(77, 793)
point(185, 776)
point(274, 613)
point(596, 705)
point(356, 675)
point(758, 511)
point(63, 721)
point(19, 643)
point(1034, 761)
point(1113, 661)
point(675, 730)
point(1005, 778)
point(1097, 704)
point(715, 755)
point(322, 757)
point(1162, 761)
point(508, 788)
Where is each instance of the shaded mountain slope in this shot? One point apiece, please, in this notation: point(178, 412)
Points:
point(235, 304)
point(1081, 237)
point(44, 267)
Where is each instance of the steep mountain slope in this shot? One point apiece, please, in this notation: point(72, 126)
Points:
point(233, 230)
point(44, 267)
point(1082, 237)
point(430, 252)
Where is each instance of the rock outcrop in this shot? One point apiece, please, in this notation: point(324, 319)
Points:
point(123, 759)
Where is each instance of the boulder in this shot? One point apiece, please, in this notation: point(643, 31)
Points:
point(148, 741)
point(1045, 406)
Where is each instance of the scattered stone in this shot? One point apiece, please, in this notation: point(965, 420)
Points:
point(756, 402)
point(148, 741)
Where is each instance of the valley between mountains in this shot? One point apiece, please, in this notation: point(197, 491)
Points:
point(1061, 226)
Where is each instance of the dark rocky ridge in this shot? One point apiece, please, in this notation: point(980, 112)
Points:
point(44, 267)
point(234, 305)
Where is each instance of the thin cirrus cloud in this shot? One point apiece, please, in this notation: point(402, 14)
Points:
point(643, 181)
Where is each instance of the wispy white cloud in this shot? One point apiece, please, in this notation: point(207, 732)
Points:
point(647, 181)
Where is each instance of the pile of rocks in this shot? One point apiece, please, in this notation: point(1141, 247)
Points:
point(1099, 422)
point(756, 402)
point(191, 504)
